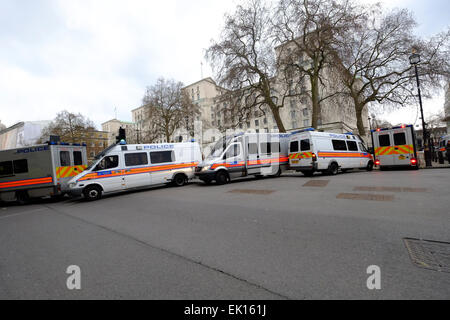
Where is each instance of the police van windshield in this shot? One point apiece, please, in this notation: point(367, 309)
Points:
point(219, 148)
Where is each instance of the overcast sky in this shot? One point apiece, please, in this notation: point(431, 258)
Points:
point(92, 56)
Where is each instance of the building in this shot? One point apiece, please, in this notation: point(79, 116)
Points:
point(2, 126)
point(113, 126)
point(95, 141)
point(22, 134)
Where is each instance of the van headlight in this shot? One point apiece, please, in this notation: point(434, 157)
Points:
point(206, 168)
point(72, 185)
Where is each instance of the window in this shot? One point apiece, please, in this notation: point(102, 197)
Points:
point(256, 123)
point(305, 112)
point(6, 168)
point(233, 151)
point(305, 145)
point(136, 159)
point(339, 145)
point(384, 140)
point(294, 146)
point(77, 158)
point(400, 139)
point(253, 148)
point(108, 162)
point(362, 147)
point(352, 146)
point(162, 157)
point(265, 148)
point(275, 147)
point(305, 123)
point(64, 157)
point(20, 166)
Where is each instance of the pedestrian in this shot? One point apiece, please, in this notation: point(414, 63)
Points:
point(447, 149)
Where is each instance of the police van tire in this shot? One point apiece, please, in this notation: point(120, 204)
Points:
point(333, 169)
point(92, 193)
point(278, 174)
point(222, 177)
point(369, 166)
point(22, 197)
point(179, 180)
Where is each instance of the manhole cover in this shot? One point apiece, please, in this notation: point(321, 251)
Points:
point(370, 197)
point(317, 183)
point(389, 189)
point(432, 255)
point(248, 191)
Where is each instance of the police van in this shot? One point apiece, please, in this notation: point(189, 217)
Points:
point(443, 142)
point(395, 147)
point(311, 151)
point(39, 171)
point(245, 154)
point(123, 167)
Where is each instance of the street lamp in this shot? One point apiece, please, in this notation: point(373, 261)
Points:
point(414, 59)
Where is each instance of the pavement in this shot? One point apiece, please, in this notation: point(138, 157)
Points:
point(282, 238)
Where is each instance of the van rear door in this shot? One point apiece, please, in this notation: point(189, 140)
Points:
point(403, 147)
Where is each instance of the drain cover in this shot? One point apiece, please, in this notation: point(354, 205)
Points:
point(370, 197)
point(248, 191)
point(432, 255)
point(317, 183)
point(390, 189)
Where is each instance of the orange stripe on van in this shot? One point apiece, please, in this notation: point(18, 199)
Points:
point(27, 182)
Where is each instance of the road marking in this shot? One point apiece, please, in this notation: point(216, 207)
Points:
point(20, 213)
point(390, 189)
point(369, 197)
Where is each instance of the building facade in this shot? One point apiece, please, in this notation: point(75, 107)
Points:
point(22, 134)
point(112, 128)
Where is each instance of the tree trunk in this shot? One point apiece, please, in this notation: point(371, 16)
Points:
point(359, 120)
point(315, 101)
point(276, 115)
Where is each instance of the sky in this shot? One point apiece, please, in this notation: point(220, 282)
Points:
point(98, 57)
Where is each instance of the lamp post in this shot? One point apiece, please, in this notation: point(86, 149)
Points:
point(414, 59)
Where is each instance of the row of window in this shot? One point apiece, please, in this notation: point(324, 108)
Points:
point(64, 158)
point(399, 139)
point(338, 145)
point(137, 159)
point(9, 168)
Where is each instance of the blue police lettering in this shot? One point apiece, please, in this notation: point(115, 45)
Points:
point(33, 149)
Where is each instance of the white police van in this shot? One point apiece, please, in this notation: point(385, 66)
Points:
point(395, 147)
point(245, 154)
point(311, 151)
point(443, 141)
point(124, 167)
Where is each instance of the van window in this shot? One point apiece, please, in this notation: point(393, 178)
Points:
point(305, 145)
point(352, 146)
point(275, 147)
point(64, 157)
point(108, 162)
point(252, 148)
point(400, 139)
point(77, 158)
point(385, 140)
point(362, 147)
point(265, 148)
point(20, 166)
point(233, 151)
point(294, 146)
point(136, 159)
point(6, 168)
point(162, 157)
point(339, 145)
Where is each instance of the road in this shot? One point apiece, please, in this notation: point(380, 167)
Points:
point(251, 239)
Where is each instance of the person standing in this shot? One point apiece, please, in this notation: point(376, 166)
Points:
point(447, 149)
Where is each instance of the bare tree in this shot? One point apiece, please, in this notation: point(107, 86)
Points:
point(373, 57)
point(245, 62)
point(307, 30)
point(70, 127)
point(168, 108)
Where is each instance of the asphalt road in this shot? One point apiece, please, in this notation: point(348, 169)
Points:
point(251, 239)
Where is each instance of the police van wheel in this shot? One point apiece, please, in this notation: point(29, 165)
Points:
point(22, 197)
point(179, 180)
point(369, 166)
point(221, 177)
point(333, 169)
point(278, 174)
point(92, 193)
